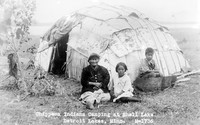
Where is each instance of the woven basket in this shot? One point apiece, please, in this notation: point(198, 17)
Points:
point(154, 84)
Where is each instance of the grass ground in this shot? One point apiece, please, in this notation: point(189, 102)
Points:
point(177, 106)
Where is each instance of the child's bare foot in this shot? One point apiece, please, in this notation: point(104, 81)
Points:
point(90, 105)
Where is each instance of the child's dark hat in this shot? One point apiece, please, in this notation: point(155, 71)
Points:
point(93, 55)
point(149, 50)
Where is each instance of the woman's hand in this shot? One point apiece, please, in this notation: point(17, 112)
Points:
point(97, 84)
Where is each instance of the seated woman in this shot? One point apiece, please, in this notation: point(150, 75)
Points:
point(123, 90)
point(94, 80)
point(150, 78)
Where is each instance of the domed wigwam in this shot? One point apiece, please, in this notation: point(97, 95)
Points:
point(117, 34)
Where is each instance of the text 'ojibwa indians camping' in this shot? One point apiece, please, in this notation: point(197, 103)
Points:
point(117, 34)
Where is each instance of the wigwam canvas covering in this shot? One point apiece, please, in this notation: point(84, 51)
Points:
point(117, 34)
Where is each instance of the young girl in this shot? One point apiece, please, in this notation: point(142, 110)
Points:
point(123, 90)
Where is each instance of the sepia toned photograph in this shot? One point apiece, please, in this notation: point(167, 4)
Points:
point(99, 62)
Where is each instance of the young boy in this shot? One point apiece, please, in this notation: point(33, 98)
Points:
point(148, 67)
point(150, 78)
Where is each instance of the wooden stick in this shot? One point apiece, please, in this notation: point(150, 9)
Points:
point(183, 80)
point(188, 74)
